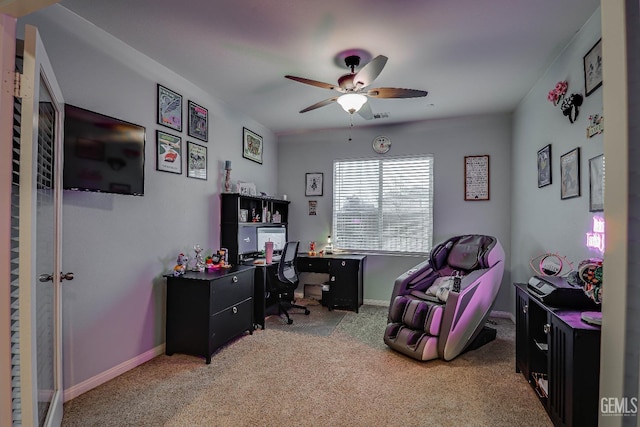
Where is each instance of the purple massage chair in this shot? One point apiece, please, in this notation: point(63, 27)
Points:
point(439, 308)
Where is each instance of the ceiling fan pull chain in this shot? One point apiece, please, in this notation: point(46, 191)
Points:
point(350, 127)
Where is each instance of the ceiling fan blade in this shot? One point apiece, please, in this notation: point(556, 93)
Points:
point(369, 72)
point(365, 111)
point(319, 104)
point(393, 92)
point(314, 83)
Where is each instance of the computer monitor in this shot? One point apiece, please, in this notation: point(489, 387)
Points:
point(247, 243)
point(278, 235)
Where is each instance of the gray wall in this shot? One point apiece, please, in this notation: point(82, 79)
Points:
point(119, 246)
point(542, 222)
point(449, 141)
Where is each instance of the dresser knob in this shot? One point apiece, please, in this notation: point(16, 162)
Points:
point(344, 263)
point(235, 310)
point(234, 279)
point(525, 309)
point(546, 328)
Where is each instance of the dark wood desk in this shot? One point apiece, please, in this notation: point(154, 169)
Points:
point(346, 272)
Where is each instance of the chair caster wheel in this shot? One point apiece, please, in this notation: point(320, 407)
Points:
point(306, 312)
point(289, 321)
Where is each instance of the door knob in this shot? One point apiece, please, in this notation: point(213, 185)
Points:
point(46, 277)
point(68, 276)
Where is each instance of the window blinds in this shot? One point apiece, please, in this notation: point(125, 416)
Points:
point(383, 205)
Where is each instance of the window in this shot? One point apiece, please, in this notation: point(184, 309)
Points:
point(383, 205)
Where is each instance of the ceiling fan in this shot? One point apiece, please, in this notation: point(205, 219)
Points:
point(353, 87)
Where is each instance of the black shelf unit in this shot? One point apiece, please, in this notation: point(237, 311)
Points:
point(559, 355)
point(230, 206)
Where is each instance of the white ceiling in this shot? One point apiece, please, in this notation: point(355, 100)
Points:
point(472, 56)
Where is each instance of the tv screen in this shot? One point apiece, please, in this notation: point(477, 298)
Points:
point(102, 154)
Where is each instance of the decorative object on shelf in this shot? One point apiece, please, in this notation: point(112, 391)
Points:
point(246, 188)
point(571, 106)
point(223, 253)
point(381, 144)
point(168, 152)
point(244, 215)
point(199, 264)
point(227, 177)
point(314, 184)
point(596, 125)
point(557, 94)
point(550, 264)
point(169, 108)
point(196, 161)
point(590, 275)
point(544, 166)
point(251, 146)
point(329, 248)
point(313, 207)
point(181, 265)
point(277, 218)
point(596, 183)
point(312, 249)
point(476, 178)
point(198, 124)
point(593, 68)
point(570, 174)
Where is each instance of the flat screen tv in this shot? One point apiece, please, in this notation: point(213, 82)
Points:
point(102, 153)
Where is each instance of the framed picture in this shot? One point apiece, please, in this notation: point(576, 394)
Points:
point(544, 166)
point(246, 188)
point(169, 108)
point(313, 207)
point(596, 183)
point(251, 145)
point(313, 184)
point(476, 178)
point(168, 152)
point(198, 121)
point(570, 174)
point(196, 161)
point(593, 68)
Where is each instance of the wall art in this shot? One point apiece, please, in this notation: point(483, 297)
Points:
point(570, 174)
point(169, 108)
point(198, 121)
point(251, 146)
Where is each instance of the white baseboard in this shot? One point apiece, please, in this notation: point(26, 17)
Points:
point(380, 303)
point(93, 382)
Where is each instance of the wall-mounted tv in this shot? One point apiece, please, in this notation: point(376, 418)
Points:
point(102, 153)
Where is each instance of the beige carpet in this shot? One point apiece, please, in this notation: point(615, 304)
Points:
point(349, 378)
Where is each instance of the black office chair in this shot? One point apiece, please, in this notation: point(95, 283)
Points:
point(283, 284)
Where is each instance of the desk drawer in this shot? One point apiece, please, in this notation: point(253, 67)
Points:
point(230, 290)
point(314, 265)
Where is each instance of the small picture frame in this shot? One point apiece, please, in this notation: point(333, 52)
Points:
point(593, 68)
point(544, 166)
point(314, 184)
point(476, 178)
point(570, 174)
point(196, 161)
point(596, 184)
point(168, 152)
point(169, 108)
point(198, 121)
point(251, 146)
point(313, 207)
point(246, 188)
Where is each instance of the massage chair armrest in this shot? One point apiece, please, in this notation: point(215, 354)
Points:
point(412, 279)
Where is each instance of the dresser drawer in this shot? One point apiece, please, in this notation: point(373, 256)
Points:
point(231, 322)
point(230, 289)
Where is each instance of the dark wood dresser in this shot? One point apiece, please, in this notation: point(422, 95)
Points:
point(206, 310)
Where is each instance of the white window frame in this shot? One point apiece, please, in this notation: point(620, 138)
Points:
point(376, 235)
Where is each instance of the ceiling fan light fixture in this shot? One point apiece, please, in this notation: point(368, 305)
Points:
point(352, 102)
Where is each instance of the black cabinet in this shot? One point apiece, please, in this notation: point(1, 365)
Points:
point(206, 310)
point(559, 355)
point(236, 213)
point(345, 278)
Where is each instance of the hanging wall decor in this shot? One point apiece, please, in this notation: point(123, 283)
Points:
point(571, 106)
point(169, 108)
point(596, 125)
point(570, 174)
point(593, 68)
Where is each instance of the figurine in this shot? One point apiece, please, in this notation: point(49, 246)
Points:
point(199, 265)
point(181, 265)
